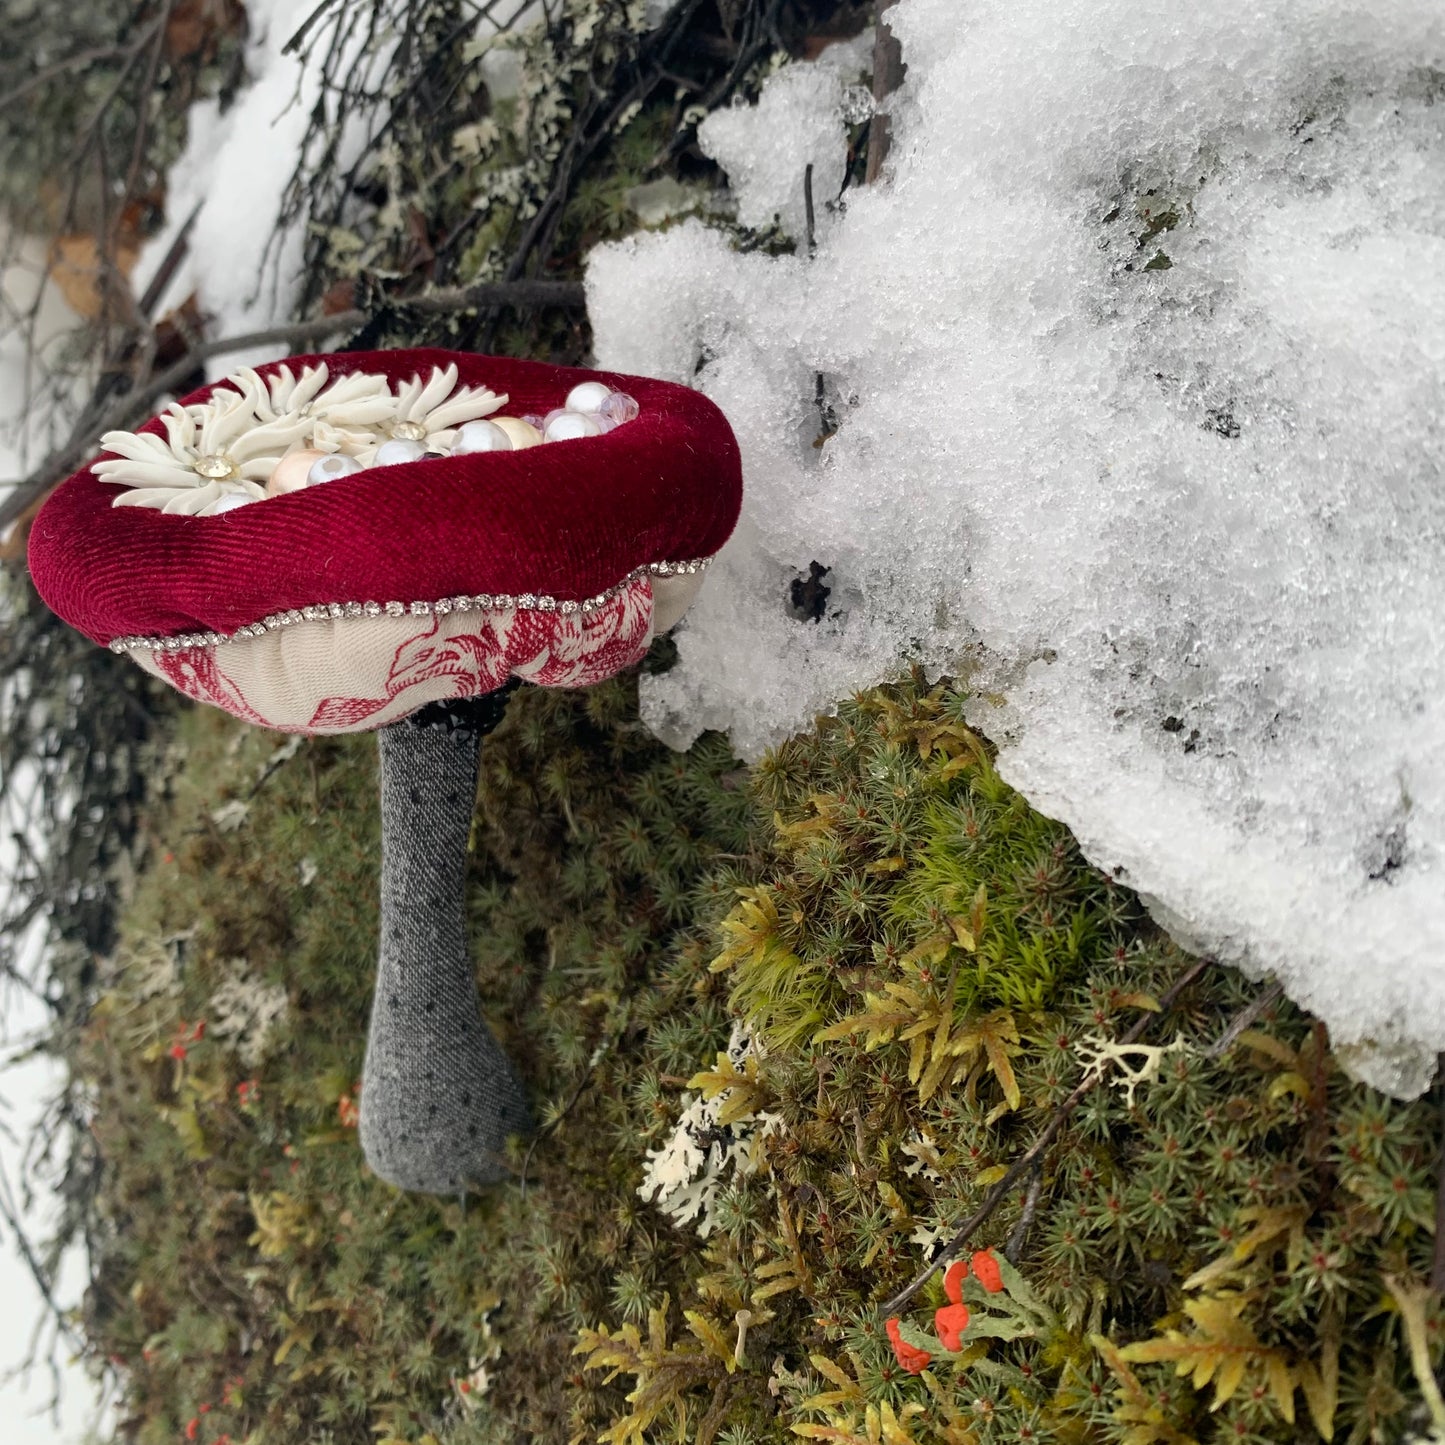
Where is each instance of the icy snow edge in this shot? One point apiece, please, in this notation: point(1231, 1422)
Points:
point(1137, 358)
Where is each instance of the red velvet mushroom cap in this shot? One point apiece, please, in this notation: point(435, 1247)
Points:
point(351, 603)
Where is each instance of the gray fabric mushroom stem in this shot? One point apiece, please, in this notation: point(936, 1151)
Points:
point(438, 1096)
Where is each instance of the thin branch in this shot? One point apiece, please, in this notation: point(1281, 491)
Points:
point(1248, 1015)
point(1025, 1162)
point(1015, 1246)
point(888, 73)
point(10, 1214)
point(1437, 1272)
point(298, 38)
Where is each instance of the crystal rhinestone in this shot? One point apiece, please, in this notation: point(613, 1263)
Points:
point(215, 468)
point(663, 569)
point(546, 604)
point(442, 607)
point(395, 609)
point(420, 609)
point(335, 609)
point(482, 600)
point(568, 607)
point(408, 431)
point(371, 609)
point(313, 613)
point(527, 599)
point(503, 600)
point(353, 609)
point(117, 644)
point(462, 604)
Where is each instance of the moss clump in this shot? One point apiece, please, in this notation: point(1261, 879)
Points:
point(923, 964)
point(1227, 1239)
point(251, 1265)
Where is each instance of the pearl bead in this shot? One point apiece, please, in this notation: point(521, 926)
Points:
point(481, 436)
point(230, 502)
point(332, 466)
point(566, 426)
point(390, 454)
point(293, 472)
point(522, 434)
point(588, 397)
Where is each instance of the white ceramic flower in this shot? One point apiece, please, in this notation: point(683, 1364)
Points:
point(430, 412)
point(346, 414)
point(219, 452)
point(209, 451)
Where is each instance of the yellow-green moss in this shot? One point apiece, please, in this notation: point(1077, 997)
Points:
point(627, 903)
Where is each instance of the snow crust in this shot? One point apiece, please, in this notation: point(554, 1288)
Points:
point(1136, 357)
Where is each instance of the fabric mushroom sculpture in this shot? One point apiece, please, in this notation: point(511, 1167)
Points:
point(391, 541)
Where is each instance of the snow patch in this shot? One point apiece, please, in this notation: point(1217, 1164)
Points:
point(1132, 381)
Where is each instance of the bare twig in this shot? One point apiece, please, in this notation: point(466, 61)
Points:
point(1015, 1245)
point(151, 297)
point(808, 208)
point(888, 73)
point(1050, 1131)
point(1437, 1271)
point(1249, 1014)
point(297, 42)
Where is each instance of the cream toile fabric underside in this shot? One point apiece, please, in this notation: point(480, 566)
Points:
point(355, 674)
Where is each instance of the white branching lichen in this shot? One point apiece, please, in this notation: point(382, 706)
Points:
point(685, 1176)
point(243, 1012)
point(1137, 1063)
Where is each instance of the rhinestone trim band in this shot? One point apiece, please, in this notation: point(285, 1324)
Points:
point(481, 602)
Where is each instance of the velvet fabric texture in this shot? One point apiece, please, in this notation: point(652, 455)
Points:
point(566, 519)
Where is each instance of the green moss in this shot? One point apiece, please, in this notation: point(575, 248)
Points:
point(628, 903)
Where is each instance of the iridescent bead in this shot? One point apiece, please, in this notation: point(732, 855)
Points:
point(618, 409)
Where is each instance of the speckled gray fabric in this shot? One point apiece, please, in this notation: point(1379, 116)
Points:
point(438, 1095)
